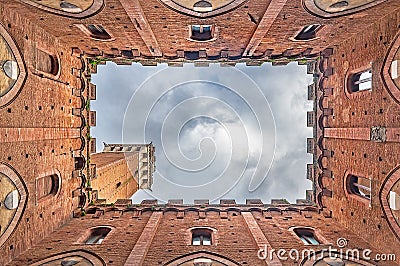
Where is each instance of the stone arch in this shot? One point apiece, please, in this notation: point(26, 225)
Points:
point(337, 8)
point(394, 51)
point(193, 9)
point(16, 66)
point(65, 8)
point(392, 178)
point(207, 255)
point(73, 256)
point(13, 201)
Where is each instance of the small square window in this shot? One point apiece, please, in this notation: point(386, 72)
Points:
point(201, 32)
point(201, 237)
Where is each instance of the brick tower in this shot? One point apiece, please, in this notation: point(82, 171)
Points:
point(120, 170)
point(48, 51)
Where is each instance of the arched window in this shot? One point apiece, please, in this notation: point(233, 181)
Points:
point(334, 8)
point(359, 186)
point(12, 69)
point(77, 257)
point(69, 8)
point(95, 31)
point(13, 199)
point(47, 185)
point(8, 68)
point(308, 32)
point(307, 236)
point(46, 63)
point(201, 237)
point(97, 235)
point(360, 81)
point(202, 6)
point(201, 33)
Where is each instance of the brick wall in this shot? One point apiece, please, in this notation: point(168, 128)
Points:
point(233, 239)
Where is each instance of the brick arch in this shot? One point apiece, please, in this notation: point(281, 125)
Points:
point(91, 257)
point(8, 171)
point(96, 7)
point(392, 178)
point(319, 199)
point(202, 254)
point(391, 87)
point(312, 8)
point(16, 88)
point(190, 12)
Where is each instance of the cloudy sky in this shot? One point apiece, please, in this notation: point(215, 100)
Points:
point(219, 132)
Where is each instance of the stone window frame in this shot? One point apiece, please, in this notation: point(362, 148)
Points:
point(391, 179)
point(11, 173)
point(213, 232)
point(311, 7)
point(54, 194)
point(318, 30)
point(390, 86)
point(82, 240)
point(95, 8)
point(54, 57)
point(12, 94)
point(204, 237)
point(92, 257)
point(347, 81)
point(214, 33)
point(351, 195)
point(84, 29)
point(316, 232)
point(352, 82)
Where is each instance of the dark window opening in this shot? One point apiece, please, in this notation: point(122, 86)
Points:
point(97, 235)
point(79, 163)
point(98, 32)
point(46, 63)
point(308, 32)
point(339, 4)
point(361, 81)
point(46, 186)
point(201, 237)
point(307, 236)
point(201, 32)
point(69, 7)
point(360, 186)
